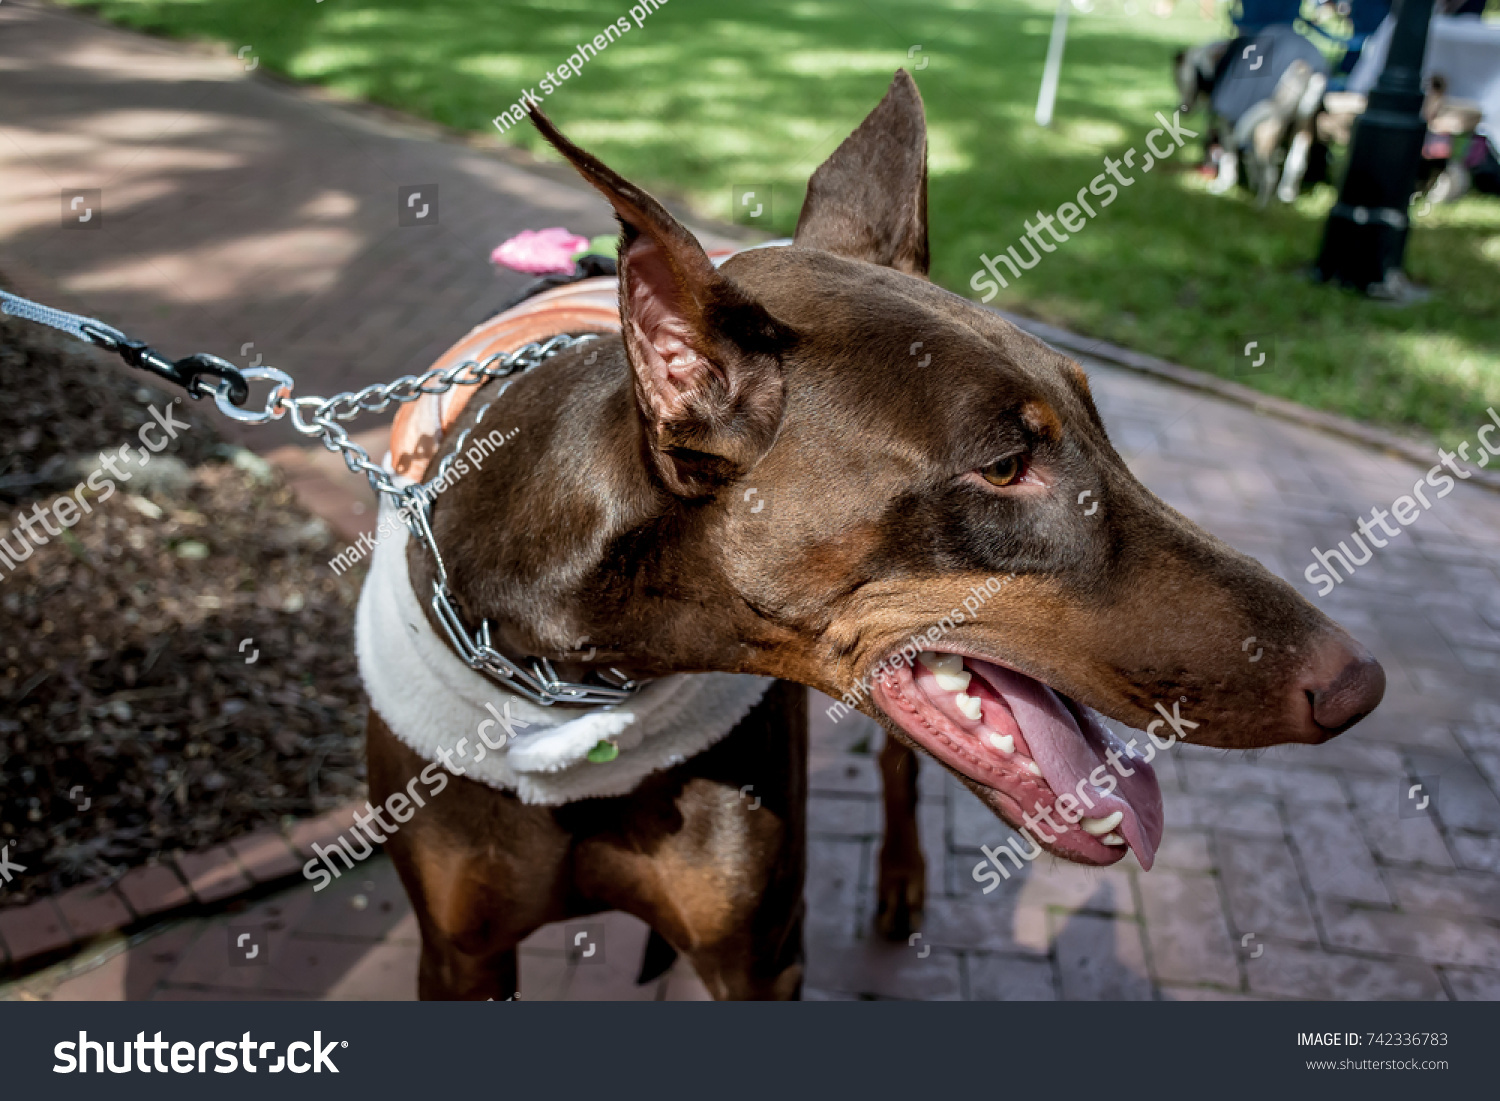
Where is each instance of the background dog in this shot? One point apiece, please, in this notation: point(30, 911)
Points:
point(1263, 93)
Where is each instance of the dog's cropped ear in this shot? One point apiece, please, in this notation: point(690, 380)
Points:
point(868, 201)
point(705, 356)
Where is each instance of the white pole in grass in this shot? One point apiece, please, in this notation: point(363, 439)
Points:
point(1053, 69)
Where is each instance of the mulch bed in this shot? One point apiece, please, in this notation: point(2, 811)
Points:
point(136, 721)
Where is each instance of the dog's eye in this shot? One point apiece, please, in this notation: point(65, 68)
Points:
point(1004, 472)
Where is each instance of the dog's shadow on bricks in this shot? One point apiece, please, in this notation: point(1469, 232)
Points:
point(1053, 930)
point(1050, 930)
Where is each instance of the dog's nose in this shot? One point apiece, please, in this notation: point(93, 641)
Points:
point(1343, 684)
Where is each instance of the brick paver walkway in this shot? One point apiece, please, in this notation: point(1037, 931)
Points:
point(236, 211)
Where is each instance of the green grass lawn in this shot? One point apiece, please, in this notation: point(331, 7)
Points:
point(706, 96)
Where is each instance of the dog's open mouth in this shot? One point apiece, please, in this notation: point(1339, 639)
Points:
point(1041, 759)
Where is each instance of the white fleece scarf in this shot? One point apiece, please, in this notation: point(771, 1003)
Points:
point(432, 701)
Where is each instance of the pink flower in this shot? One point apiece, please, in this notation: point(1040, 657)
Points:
point(540, 251)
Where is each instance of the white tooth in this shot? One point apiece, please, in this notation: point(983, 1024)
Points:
point(969, 705)
point(1100, 826)
point(1033, 768)
point(952, 682)
point(951, 664)
point(1005, 743)
point(1112, 839)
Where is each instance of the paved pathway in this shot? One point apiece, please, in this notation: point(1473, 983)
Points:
point(233, 215)
point(237, 211)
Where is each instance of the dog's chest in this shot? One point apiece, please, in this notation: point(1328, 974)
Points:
point(448, 713)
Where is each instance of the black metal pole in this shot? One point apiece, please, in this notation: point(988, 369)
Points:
point(1365, 238)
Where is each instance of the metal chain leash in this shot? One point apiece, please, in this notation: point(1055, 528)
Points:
point(321, 418)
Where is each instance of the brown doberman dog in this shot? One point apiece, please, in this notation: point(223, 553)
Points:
point(896, 490)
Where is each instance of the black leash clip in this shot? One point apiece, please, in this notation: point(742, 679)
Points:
point(187, 372)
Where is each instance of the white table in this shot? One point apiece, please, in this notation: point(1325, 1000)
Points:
point(1464, 49)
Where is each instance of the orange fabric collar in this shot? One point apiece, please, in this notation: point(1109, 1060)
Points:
point(588, 306)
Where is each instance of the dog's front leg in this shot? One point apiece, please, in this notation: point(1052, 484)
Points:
point(1295, 167)
point(481, 869)
point(902, 890)
point(1306, 123)
point(468, 915)
point(711, 854)
point(448, 975)
point(469, 928)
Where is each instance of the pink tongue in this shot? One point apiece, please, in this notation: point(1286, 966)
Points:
point(1067, 755)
